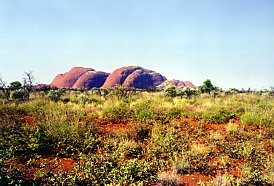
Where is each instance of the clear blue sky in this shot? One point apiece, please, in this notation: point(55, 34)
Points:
point(230, 42)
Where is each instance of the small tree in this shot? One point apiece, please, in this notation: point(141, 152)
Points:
point(28, 81)
point(180, 93)
point(15, 85)
point(170, 91)
point(231, 91)
point(4, 89)
point(103, 92)
point(207, 86)
point(187, 92)
point(120, 92)
point(20, 95)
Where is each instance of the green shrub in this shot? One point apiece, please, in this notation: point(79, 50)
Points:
point(20, 95)
point(217, 115)
point(83, 98)
point(252, 176)
point(258, 117)
point(54, 95)
point(57, 130)
point(176, 113)
point(129, 149)
point(155, 144)
point(66, 100)
point(239, 112)
point(244, 150)
point(119, 113)
point(65, 139)
point(105, 169)
point(265, 106)
point(53, 112)
point(195, 160)
point(138, 131)
point(166, 142)
point(136, 171)
point(145, 115)
point(95, 101)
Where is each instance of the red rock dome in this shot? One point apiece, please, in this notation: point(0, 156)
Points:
point(177, 83)
point(134, 77)
point(130, 76)
point(79, 77)
point(91, 79)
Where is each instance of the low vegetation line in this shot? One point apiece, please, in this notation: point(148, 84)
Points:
point(83, 137)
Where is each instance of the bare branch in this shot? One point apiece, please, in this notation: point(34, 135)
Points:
point(4, 89)
point(28, 78)
point(2, 83)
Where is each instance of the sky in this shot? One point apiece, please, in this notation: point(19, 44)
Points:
point(230, 42)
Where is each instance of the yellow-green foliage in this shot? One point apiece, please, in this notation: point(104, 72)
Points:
point(217, 115)
point(261, 117)
point(232, 128)
point(160, 138)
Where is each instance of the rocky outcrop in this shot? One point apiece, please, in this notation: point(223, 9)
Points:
point(79, 77)
point(91, 79)
point(57, 81)
point(130, 77)
point(188, 84)
point(177, 83)
point(134, 77)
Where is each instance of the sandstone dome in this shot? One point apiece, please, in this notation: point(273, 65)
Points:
point(129, 76)
point(79, 77)
point(91, 79)
point(134, 77)
point(177, 83)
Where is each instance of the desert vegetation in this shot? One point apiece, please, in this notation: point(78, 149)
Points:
point(201, 136)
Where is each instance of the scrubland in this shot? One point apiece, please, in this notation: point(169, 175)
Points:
point(142, 139)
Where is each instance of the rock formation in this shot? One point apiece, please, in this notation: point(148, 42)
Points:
point(177, 83)
point(130, 77)
point(79, 77)
point(91, 79)
point(134, 77)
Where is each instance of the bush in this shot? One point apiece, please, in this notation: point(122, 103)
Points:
point(83, 98)
point(176, 113)
point(129, 149)
point(119, 113)
point(144, 115)
point(105, 169)
point(258, 117)
point(195, 160)
point(217, 115)
point(170, 91)
point(20, 95)
point(155, 139)
point(166, 142)
point(54, 95)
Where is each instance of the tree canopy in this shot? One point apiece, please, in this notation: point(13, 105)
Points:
point(207, 86)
